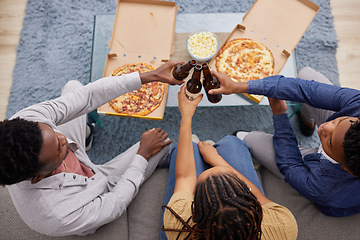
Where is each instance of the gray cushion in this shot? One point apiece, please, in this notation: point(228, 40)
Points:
point(145, 213)
point(13, 227)
point(312, 223)
point(143, 218)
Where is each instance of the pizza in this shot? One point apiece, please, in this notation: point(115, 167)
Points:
point(244, 59)
point(140, 102)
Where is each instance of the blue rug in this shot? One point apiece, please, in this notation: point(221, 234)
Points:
point(55, 47)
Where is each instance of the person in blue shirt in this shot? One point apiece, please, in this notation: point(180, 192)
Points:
point(327, 175)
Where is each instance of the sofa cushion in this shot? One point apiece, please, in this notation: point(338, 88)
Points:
point(312, 224)
point(13, 227)
point(145, 212)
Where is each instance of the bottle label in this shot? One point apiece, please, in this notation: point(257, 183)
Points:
point(191, 96)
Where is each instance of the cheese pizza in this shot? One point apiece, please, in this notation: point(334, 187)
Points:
point(244, 59)
point(140, 102)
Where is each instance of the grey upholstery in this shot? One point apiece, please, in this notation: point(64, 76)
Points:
point(143, 218)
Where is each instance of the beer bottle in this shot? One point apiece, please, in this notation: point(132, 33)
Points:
point(193, 86)
point(210, 82)
point(181, 71)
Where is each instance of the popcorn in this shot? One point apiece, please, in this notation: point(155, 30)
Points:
point(202, 44)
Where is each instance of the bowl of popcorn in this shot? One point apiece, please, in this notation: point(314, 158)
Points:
point(202, 45)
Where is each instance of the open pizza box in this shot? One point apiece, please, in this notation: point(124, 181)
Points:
point(143, 32)
point(278, 24)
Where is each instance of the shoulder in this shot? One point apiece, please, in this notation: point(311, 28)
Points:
point(278, 222)
point(180, 203)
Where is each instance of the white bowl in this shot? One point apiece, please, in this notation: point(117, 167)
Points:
point(202, 45)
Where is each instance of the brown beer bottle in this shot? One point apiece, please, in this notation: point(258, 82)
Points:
point(210, 82)
point(181, 71)
point(193, 86)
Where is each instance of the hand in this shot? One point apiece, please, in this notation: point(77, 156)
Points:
point(162, 74)
point(186, 107)
point(277, 106)
point(227, 85)
point(152, 141)
point(210, 154)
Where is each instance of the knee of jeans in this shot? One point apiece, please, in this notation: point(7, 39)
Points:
point(71, 86)
point(305, 71)
point(231, 140)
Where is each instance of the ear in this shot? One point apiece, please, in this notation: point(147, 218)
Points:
point(37, 178)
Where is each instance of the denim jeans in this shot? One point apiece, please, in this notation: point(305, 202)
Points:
point(234, 151)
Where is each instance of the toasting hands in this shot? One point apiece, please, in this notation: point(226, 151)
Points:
point(227, 85)
point(186, 107)
point(162, 74)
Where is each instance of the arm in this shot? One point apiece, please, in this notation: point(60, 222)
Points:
point(305, 178)
point(93, 95)
point(93, 208)
point(185, 172)
point(212, 157)
point(316, 94)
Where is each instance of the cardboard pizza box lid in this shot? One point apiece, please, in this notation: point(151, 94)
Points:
point(278, 24)
point(143, 31)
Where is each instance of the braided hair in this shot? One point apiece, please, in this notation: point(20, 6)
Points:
point(223, 208)
point(351, 146)
point(20, 145)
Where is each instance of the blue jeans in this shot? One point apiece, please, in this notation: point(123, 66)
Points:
point(234, 151)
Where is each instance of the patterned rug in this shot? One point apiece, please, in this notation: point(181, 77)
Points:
point(55, 47)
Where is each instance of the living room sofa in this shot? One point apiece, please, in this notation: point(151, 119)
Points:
point(143, 217)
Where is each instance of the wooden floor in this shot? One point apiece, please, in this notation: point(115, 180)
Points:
point(346, 20)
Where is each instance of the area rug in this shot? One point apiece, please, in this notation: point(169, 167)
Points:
point(55, 47)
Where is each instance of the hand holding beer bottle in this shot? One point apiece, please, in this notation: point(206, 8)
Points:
point(210, 82)
point(193, 86)
point(181, 71)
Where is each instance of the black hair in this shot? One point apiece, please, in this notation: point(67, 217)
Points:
point(351, 146)
point(20, 145)
point(223, 208)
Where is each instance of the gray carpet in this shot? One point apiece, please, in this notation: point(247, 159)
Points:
point(55, 47)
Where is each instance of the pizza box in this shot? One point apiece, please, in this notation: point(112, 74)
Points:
point(144, 31)
point(278, 24)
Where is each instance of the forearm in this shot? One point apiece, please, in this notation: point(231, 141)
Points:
point(81, 100)
point(287, 153)
point(315, 94)
point(185, 163)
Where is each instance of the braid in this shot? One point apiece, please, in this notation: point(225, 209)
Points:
point(224, 208)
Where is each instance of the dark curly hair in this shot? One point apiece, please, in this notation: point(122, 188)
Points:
point(20, 145)
point(223, 208)
point(351, 146)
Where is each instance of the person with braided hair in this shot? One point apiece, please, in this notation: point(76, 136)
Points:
point(213, 191)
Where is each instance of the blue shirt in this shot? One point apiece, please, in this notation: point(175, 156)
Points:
point(328, 185)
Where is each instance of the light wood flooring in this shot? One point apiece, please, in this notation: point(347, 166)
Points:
point(346, 20)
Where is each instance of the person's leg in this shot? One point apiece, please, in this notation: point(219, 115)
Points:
point(236, 152)
point(118, 165)
point(262, 150)
point(308, 113)
point(199, 164)
point(200, 167)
